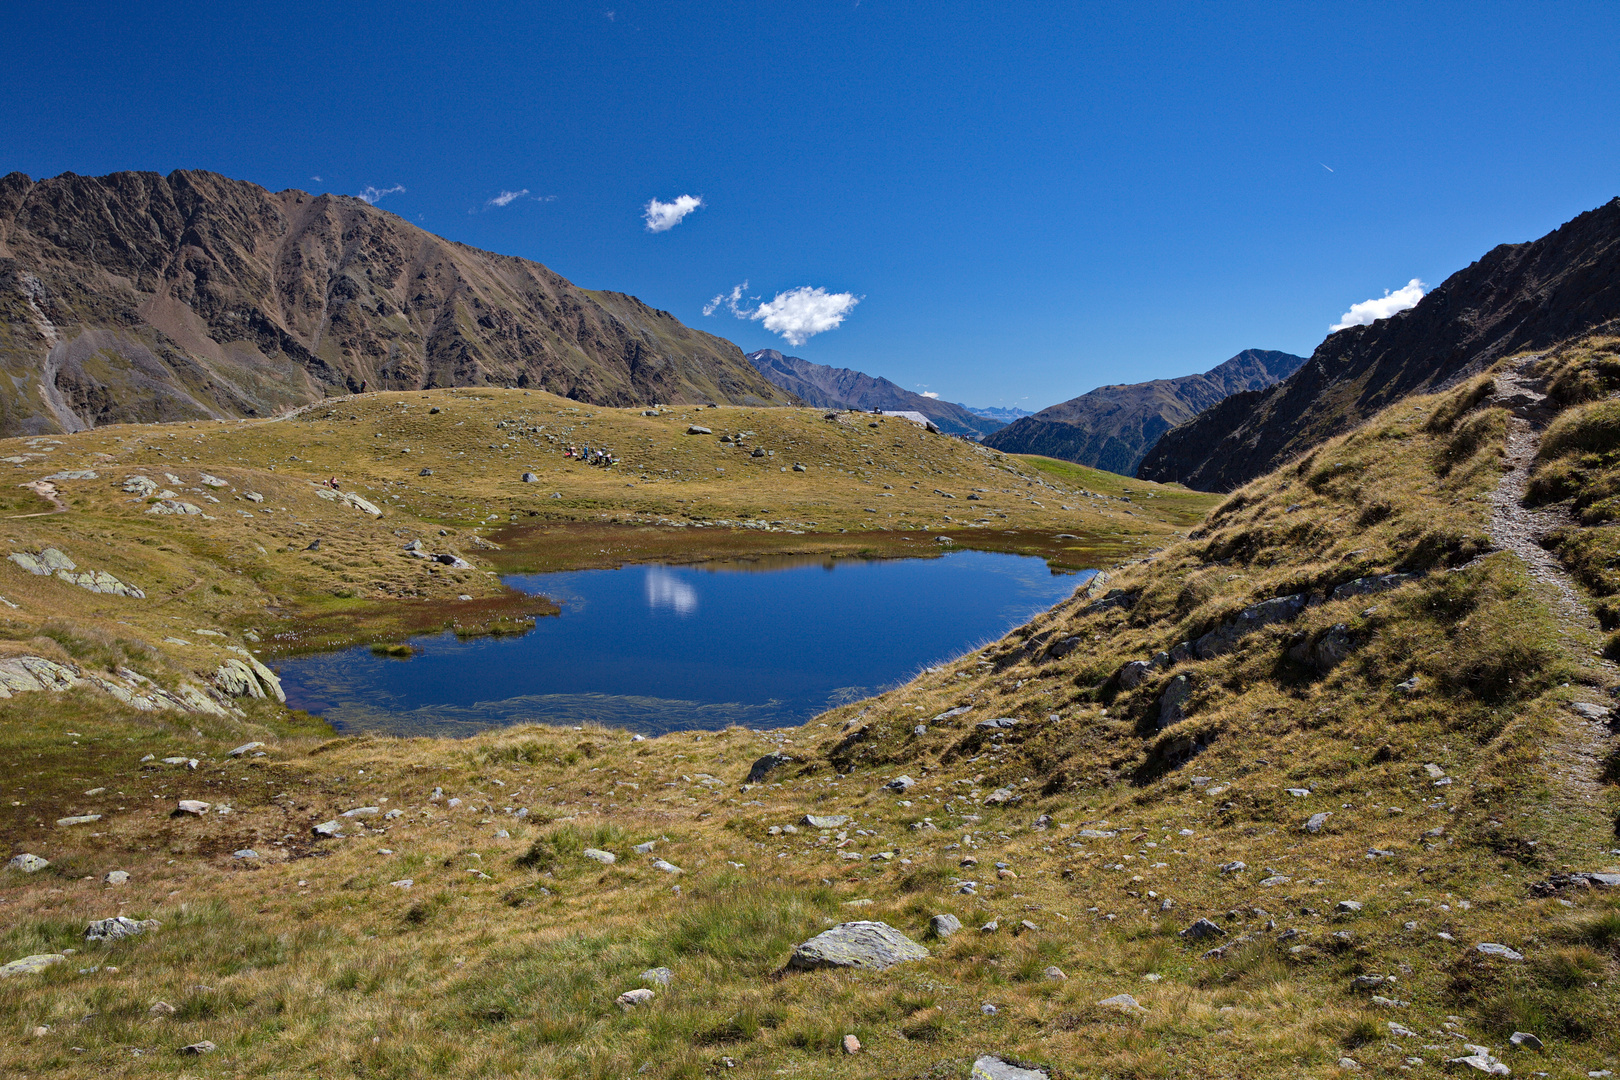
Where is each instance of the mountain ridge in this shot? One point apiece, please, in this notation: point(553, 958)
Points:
point(1514, 298)
point(829, 387)
point(141, 297)
point(1114, 427)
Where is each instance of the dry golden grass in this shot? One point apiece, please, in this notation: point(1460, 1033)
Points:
point(504, 955)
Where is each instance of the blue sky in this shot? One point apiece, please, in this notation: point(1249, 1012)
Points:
point(1028, 199)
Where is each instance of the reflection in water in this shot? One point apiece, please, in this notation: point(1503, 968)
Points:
point(664, 589)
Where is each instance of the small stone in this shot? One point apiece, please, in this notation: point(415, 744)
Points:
point(82, 819)
point(659, 975)
point(606, 858)
point(988, 1009)
point(116, 877)
point(1491, 948)
point(1349, 1063)
point(197, 1049)
point(1124, 1003)
point(646, 848)
point(666, 867)
point(1234, 868)
point(990, 927)
point(403, 883)
point(901, 784)
point(631, 999)
point(362, 812)
point(161, 1008)
point(27, 864)
point(1298, 792)
point(1348, 907)
point(1400, 1031)
point(1055, 974)
point(852, 1045)
point(194, 807)
point(1367, 982)
point(1314, 825)
point(1525, 1041)
point(825, 821)
point(1027, 927)
point(245, 748)
point(245, 853)
point(328, 829)
point(943, 926)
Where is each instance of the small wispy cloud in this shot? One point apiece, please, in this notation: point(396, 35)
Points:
point(930, 393)
point(507, 198)
point(798, 314)
point(371, 194)
point(1381, 307)
point(664, 216)
point(317, 179)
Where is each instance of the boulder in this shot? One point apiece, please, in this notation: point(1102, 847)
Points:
point(698, 429)
point(991, 1067)
point(856, 944)
point(31, 965)
point(118, 928)
point(1252, 618)
point(1133, 674)
point(1365, 586)
point(197, 1049)
point(246, 748)
point(1479, 1059)
point(328, 829)
point(1525, 1041)
point(194, 807)
point(764, 766)
point(825, 821)
point(665, 867)
point(943, 926)
point(631, 999)
point(901, 784)
point(1124, 1003)
point(143, 486)
point(529, 478)
point(80, 819)
point(116, 877)
point(27, 864)
point(1491, 948)
point(606, 858)
point(1315, 822)
point(1173, 702)
point(1202, 929)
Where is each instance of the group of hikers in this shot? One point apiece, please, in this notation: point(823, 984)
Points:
point(600, 456)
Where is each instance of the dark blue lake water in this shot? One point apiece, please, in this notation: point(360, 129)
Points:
point(655, 648)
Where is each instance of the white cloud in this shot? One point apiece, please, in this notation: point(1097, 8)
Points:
point(664, 216)
point(1382, 307)
point(664, 589)
point(798, 314)
point(372, 194)
point(507, 198)
point(930, 393)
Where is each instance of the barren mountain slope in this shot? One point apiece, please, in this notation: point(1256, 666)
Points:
point(1517, 297)
point(140, 297)
point(845, 388)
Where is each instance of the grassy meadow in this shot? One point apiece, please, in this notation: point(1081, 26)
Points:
point(1431, 721)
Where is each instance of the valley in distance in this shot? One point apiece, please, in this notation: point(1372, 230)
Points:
point(1315, 778)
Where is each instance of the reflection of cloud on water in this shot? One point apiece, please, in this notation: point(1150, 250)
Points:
point(664, 589)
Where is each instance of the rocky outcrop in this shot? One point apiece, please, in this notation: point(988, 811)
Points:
point(1516, 298)
point(1114, 427)
point(26, 674)
point(137, 297)
point(246, 676)
point(52, 561)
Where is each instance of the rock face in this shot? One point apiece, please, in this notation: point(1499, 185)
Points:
point(856, 944)
point(842, 388)
point(1517, 297)
point(136, 297)
point(1114, 427)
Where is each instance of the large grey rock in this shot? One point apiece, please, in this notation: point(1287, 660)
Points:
point(1252, 618)
point(943, 926)
point(116, 877)
point(766, 765)
point(698, 429)
point(246, 748)
point(606, 858)
point(990, 1067)
point(1134, 674)
point(194, 807)
point(901, 784)
point(631, 999)
point(116, 929)
point(31, 965)
point(27, 864)
point(1173, 702)
point(857, 944)
point(328, 829)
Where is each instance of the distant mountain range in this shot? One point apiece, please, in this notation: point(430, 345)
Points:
point(141, 297)
point(995, 412)
point(843, 388)
point(1114, 427)
point(1516, 298)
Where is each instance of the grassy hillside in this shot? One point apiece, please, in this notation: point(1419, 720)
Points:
point(1429, 717)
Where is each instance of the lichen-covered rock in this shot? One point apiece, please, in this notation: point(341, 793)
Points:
point(856, 944)
point(349, 498)
point(31, 965)
point(27, 864)
point(144, 486)
point(118, 928)
point(991, 1067)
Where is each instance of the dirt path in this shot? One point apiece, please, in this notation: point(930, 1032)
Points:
point(1577, 759)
